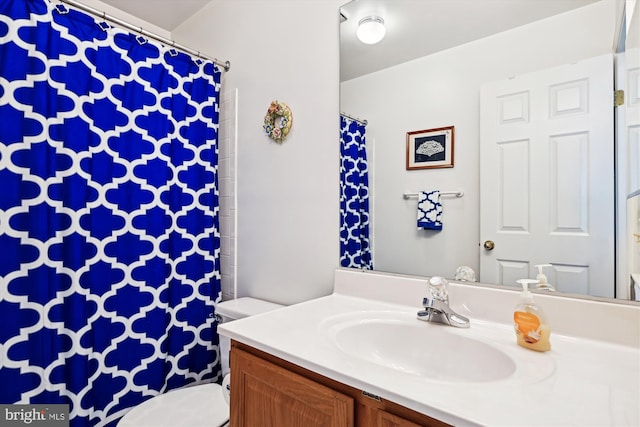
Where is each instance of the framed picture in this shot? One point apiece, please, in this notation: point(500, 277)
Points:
point(430, 148)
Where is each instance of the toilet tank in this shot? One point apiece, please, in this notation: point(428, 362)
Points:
point(227, 311)
point(242, 307)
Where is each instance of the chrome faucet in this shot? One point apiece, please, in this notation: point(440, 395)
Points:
point(436, 305)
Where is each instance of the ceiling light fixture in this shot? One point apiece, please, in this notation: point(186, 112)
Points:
point(370, 29)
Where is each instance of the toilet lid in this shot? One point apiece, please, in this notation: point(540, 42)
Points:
point(201, 405)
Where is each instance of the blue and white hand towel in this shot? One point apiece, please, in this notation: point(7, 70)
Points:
point(429, 210)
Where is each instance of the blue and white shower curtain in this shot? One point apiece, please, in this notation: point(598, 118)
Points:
point(109, 241)
point(355, 245)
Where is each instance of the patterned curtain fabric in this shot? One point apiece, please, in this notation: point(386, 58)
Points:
point(109, 239)
point(355, 247)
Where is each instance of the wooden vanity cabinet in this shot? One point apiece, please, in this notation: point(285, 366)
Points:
point(265, 394)
point(267, 391)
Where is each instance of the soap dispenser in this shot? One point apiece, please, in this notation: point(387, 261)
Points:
point(530, 323)
point(542, 278)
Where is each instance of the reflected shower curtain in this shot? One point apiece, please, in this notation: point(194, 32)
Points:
point(109, 238)
point(355, 247)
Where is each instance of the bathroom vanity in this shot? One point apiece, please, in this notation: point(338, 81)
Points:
point(360, 357)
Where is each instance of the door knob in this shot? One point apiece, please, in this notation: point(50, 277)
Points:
point(489, 245)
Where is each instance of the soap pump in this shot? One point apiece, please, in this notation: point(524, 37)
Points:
point(530, 322)
point(542, 278)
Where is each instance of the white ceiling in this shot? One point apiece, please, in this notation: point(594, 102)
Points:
point(166, 14)
point(416, 28)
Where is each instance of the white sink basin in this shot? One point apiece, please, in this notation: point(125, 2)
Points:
point(401, 342)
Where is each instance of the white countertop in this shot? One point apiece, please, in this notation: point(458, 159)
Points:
point(580, 382)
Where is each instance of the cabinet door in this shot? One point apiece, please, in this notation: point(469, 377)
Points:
point(385, 419)
point(266, 395)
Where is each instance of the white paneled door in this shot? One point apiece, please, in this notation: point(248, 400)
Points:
point(547, 177)
point(628, 79)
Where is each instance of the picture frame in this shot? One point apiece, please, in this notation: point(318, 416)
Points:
point(430, 148)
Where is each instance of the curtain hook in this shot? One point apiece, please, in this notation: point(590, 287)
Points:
point(140, 38)
point(61, 8)
point(173, 51)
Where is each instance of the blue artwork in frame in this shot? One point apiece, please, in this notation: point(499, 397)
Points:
point(430, 148)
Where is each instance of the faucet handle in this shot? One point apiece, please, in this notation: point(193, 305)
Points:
point(438, 288)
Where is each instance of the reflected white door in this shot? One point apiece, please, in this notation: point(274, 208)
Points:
point(629, 169)
point(547, 177)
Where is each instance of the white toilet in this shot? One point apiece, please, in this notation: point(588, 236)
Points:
point(200, 405)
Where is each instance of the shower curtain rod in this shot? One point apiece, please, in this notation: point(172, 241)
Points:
point(226, 65)
point(363, 121)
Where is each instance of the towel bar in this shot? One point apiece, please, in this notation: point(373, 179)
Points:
point(458, 193)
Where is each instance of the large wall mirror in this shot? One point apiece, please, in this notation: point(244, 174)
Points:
point(545, 163)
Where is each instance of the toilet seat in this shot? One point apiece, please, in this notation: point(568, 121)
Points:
point(196, 406)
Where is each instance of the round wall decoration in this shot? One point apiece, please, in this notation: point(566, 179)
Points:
point(278, 121)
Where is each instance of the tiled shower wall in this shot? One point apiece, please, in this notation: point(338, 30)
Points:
point(227, 188)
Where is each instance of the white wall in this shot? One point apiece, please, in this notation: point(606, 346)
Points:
point(117, 13)
point(287, 206)
point(443, 90)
